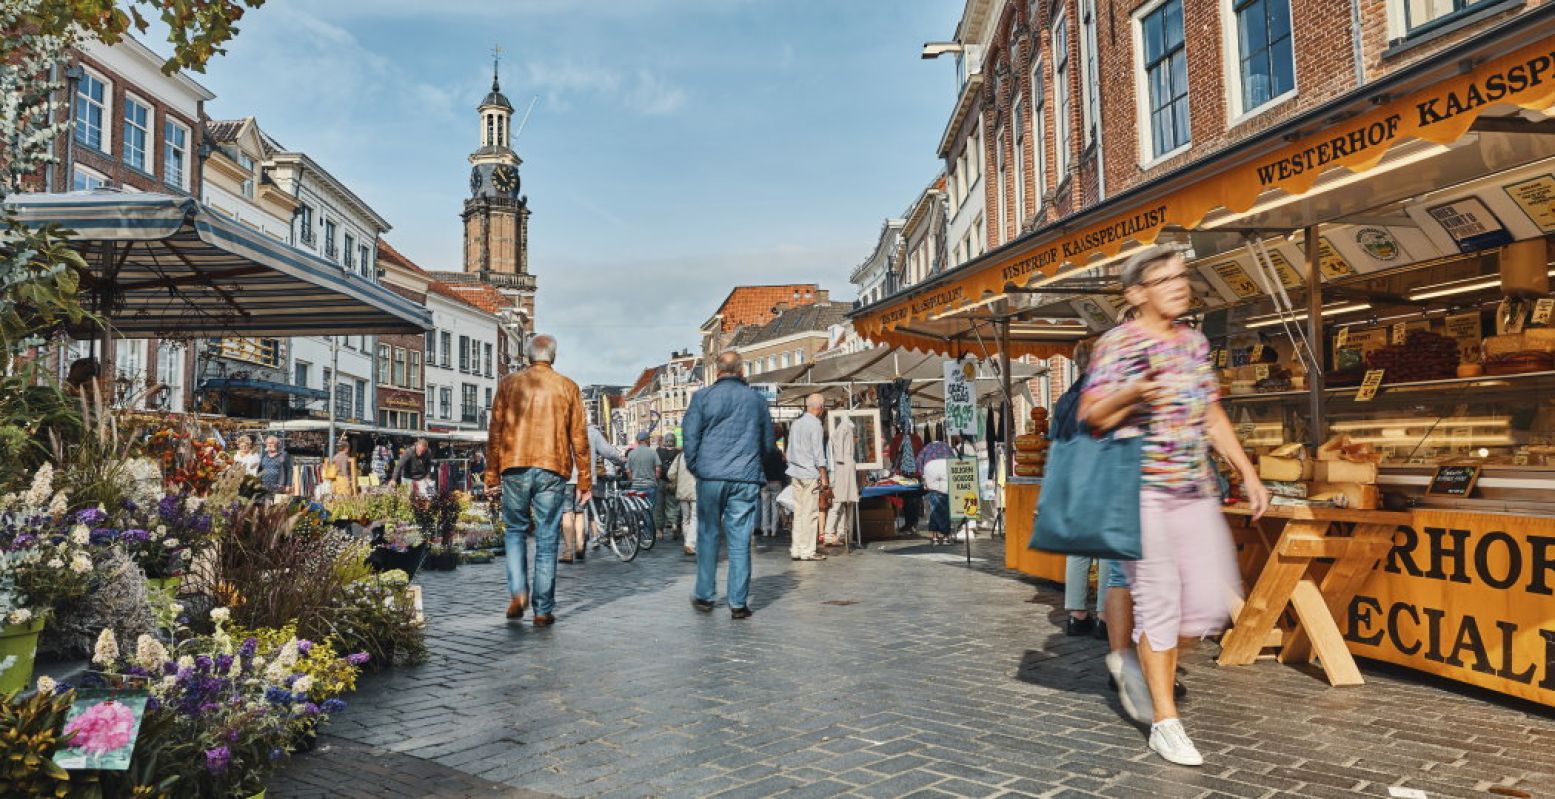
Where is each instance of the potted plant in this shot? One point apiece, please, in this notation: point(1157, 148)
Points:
point(437, 515)
point(43, 562)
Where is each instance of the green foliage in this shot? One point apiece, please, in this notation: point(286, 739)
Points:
point(30, 730)
point(197, 29)
point(378, 616)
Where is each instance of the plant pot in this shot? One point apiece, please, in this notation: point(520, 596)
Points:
point(443, 561)
point(260, 795)
point(384, 559)
point(165, 584)
point(19, 641)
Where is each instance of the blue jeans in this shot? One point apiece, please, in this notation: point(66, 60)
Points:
point(532, 501)
point(727, 509)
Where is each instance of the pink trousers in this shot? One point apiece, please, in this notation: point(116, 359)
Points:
point(1184, 583)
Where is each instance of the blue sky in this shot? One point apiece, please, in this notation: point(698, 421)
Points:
point(677, 148)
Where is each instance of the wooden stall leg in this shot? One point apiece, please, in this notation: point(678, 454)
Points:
point(1241, 645)
point(1344, 579)
point(1318, 625)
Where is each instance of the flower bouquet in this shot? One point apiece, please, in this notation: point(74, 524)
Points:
point(44, 562)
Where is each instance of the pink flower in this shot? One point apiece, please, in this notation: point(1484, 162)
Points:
point(102, 728)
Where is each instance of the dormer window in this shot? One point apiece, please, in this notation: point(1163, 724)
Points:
point(248, 181)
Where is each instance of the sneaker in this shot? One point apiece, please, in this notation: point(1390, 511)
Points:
point(1076, 626)
point(1101, 630)
point(1135, 693)
point(706, 606)
point(744, 613)
point(1170, 741)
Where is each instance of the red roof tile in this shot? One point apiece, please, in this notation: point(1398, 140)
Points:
point(386, 251)
point(752, 305)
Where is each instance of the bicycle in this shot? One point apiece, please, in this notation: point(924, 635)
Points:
point(637, 503)
point(610, 521)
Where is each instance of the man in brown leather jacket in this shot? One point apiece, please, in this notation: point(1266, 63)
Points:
point(537, 436)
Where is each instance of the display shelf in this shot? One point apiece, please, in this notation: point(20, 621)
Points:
point(1518, 382)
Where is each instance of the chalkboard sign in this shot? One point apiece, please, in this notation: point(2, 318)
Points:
point(1453, 481)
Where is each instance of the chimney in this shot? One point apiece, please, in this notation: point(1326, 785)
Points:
point(822, 297)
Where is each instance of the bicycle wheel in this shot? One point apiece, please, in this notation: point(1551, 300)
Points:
point(622, 535)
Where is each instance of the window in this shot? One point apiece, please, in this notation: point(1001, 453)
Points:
point(1267, 67)
point(431, 347)
point(361, 399)
point(300, 373)
point(383, 363)
point(329, 240)
point(1090, 73)
point(1422, 15)
point(305, 225)
point(784, 362)
point(343, 402)
point(364, 260)
point(446, 400)
point(85, 180)
point(487, 348)
point(1166, 78)
point(248, 179)
point(175, 154)
point(464, 353)
point(350, 251)
point(170, 371)
point(771, 362)
point(488, 398)
point(1018, 119)
point(1063, 98)
point(798, 356)
point(431, 401)
point(447, 348)
point(137, 129)
point(414, 422)
point(398, 378)
point(413, 378)
point(467, 403)
point(1039, 129)
point(1001, 177)
point(91, 109)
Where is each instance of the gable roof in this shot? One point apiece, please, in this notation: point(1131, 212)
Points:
point(804, 319)
point(752, 305)
point(386, 252)
point(643, 380)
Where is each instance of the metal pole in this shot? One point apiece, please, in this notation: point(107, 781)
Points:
point(1008, 415)
point(334, 380)
point(1318, 427)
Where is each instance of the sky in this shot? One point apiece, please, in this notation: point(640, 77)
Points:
point(677, 148)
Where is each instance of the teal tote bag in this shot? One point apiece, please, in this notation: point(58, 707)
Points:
point(1090, 491)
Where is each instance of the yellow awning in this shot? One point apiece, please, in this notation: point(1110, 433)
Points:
point(1441, 113)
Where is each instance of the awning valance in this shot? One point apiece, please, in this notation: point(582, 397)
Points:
point(241, 385)
point(166, 265)
point(1441, 113)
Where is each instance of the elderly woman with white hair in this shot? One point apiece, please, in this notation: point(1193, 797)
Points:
point(1151, 377)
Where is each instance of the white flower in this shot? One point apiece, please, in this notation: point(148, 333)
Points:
point(186, 662)
point(175, 608)
point(170, 542)
point(60, 505)
point(80, 564)
point(149, 653)
point(221, 615)
point(170, 681)
point(46, 685)
point(258, 663)
point(55, 563)
point(287, 657)
point(303, 685)
point(161, 529)
point(20, 616)
point(80, 535)
point(107, 651)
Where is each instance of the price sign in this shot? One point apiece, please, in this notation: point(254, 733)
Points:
point(961, 476)
point(1520, 459)
point(1369, 385)
point(1342, 338)
point(961, 398)
point(1221, 357)
point(1261, 372)
point(1257, 355)
point(1399, 332)
point(1542, 311)
point(1453, 481)
point(1236, 279)
point(1330, 262)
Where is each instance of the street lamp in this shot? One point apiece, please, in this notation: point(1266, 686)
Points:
point(933, 50)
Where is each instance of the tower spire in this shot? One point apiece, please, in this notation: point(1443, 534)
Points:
point(496, 60)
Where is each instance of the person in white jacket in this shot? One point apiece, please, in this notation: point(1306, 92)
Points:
point(684, 484)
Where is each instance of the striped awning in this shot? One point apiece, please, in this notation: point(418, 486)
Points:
point(162, 265)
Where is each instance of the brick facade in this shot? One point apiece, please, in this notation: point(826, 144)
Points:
point(411, 398)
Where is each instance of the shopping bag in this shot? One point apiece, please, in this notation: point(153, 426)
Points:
point(1089, 504)
point(785, 498)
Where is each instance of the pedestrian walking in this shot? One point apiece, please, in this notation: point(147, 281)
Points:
point(275, 467)
point(1077, 568)
point(537, 437)
point(1151, 377)
point(341, 474)
point(774, 467)
point(728, 431)
point(645, 470)
point(414, 468)
point(808, 468)
point(684, 485)
point(666, 510)
point(574, 513)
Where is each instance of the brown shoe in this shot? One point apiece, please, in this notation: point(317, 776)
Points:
point(567, 559)
point(518, 605)
point(544, 619)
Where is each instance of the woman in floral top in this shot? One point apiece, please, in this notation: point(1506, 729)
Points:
point(1151, 377)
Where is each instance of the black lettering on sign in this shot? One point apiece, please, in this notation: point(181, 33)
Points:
point(1489, 90)
point(1548, 683)
point(1320, 155)
point(1469, 638)
point(1361, 610)
point(1541, 562)
point(1434, 634)
point(1395, 630)
point(1514, 559)
point(1403, 553)
point(1439, 554)
point(1508, 631)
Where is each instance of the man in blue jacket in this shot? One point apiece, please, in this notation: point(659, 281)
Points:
point(727, 431)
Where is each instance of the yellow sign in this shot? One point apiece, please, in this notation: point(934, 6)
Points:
point(1466, 596)
point(1342, 338)
point(1330, 263)
point(1289, 277)
point(1541, 312)
point(1261, 372)
point(961, 476)
point(1369, 385)
point(1399, 332)
point(1236, 279)
point(1537, 199)
point(1465, 328)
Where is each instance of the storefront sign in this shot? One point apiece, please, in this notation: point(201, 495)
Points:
point(1537, 199)
point(1289, 277)
point(1466, 596)
point(961, 398)
point(1341, 338)
point(961, 475)
point(1470, 224)
point(1369, 385)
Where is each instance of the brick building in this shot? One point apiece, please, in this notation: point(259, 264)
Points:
point(752, 305)
point(401, 396)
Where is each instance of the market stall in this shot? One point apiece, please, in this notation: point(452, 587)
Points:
point(1374, 278)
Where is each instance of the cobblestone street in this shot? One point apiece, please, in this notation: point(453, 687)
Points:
point(892, 672)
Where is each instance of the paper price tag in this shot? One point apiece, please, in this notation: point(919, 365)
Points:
point(1520, 459)
point(1222, 357)
point(1261, 372)
point(1399, 333)
point(1342, 338)
point(1257, 354)
point(1542, 311)
point(1369, 385)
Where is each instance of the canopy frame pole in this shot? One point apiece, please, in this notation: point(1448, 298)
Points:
point(1008, 415)
point(1317, 427)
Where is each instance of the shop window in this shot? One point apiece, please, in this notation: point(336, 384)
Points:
point(137, 130)
point(1063, 98)
point(1165, 71)
point(91, 109)
point(1423, 15)
point(175, 155)
point(1266, 64)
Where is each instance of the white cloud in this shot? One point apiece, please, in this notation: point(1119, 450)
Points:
point(651, 95)
point(642, 91)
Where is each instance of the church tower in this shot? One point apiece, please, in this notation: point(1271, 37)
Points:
point(496, 216)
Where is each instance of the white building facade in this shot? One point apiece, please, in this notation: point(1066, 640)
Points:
point(874, 277)
point(461, 363)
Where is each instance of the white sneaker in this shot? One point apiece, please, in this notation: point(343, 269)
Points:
point(1133, 691)
point(1170, 741)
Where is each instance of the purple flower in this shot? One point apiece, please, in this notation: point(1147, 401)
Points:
point(249, 647)
point(203, 663)
point(169, 506)
point(210, 707)
point(233, 736)
point(223, 664)
point(304, 646)
point(216, 760)
point(277, 696)
point(135, 535)
point(103, 535)
point(90, 516)
point(153, 704)
point(358, 659)
point(333, 706)
point(277, 753)
point(310, 709)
